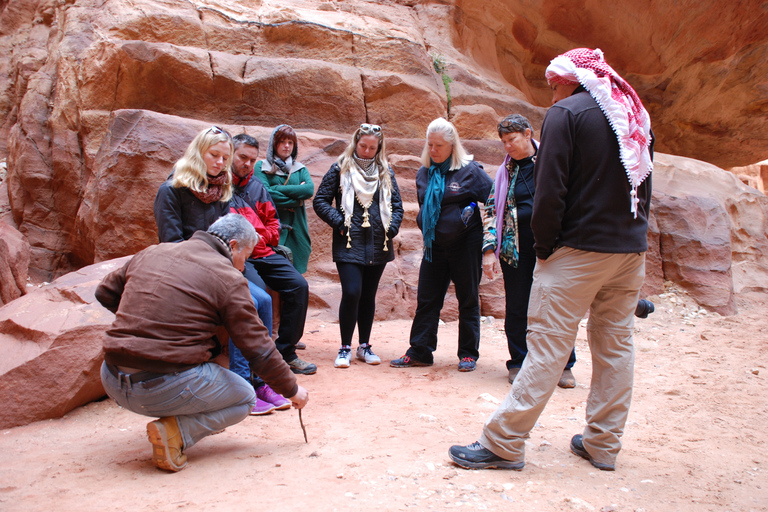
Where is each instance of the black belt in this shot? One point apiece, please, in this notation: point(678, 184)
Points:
point(138, 377)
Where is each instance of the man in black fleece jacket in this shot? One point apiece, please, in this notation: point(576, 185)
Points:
point(590, 223)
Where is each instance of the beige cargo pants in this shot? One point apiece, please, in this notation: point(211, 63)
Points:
point(565, 286)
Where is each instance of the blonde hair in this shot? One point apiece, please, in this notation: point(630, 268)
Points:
point(459, 156)
point(346, 160)
point(190, 170)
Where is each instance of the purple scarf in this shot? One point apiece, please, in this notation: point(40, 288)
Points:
point(501, 187)
point(500, 194)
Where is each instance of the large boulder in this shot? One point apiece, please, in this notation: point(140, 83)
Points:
point(51, 340)
point(713, 231)
point(695, 248)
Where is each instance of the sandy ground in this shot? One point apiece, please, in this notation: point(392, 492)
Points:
point(378, 436)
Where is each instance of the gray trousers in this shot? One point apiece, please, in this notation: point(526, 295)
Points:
point(565, 287)
point(204, 399)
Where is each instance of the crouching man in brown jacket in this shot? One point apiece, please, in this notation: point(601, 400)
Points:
point(169, 301)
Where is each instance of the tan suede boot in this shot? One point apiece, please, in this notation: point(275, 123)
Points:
point(167, 444)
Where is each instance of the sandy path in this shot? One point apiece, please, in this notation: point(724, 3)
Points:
point(378, 436)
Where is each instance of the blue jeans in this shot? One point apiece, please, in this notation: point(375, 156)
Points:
point(237, 362)
point(204, 399)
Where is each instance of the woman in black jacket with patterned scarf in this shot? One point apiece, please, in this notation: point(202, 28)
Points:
point(366, 217)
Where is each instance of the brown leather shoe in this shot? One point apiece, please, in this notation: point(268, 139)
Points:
point(513, 374)
point(167, 444)
point(567, 380)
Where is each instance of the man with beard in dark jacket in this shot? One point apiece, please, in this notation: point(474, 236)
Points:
point(265, 267)
point(590, 224)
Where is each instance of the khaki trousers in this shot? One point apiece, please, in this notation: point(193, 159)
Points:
point(565, 286)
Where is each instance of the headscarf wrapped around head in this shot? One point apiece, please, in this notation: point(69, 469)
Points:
point(620, 104)
point(276, 165)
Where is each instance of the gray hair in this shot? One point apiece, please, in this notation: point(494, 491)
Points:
point(234, 226)
point(459, 156)
point(515, 123)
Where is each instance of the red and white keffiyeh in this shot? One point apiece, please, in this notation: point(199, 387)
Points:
point(618, 101)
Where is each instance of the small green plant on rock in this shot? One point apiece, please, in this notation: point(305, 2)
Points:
point(438, 62)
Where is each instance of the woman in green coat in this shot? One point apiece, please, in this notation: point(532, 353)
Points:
point(289, 184)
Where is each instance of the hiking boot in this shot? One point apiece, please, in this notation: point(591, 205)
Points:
point(513, 374)
point(300, 345)
point(268, 395)
point(644, 308)
point(167, 444)
point(467, 364)
point(567, 380)
point(577, 447)
point(302, 367)
point(364, 353)
point(261, 408)
point(344, 357)
point(406, 362)
point(477, 456)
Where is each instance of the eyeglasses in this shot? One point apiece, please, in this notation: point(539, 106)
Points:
point(216, 130)
point(370, 128)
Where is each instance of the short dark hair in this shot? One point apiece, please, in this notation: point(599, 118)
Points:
point(285, 132)
point(515, 123)
point(243, 138)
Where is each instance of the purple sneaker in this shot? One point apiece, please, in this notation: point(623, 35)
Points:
point(262, 407)
point(267, 394)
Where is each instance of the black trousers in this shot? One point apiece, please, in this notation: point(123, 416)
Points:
point(460, 262)
point(517, 288)
point(277, 272)
point(359, 284)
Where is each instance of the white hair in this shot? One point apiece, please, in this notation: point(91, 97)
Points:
point(444, 128)
point(234, 226)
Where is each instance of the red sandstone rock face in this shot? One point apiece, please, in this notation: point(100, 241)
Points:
point(755, 175)
point(98, 100)
point(14, 263)
point(708, 214)
point(71, 71)
point(700, 68)
point(51, 342)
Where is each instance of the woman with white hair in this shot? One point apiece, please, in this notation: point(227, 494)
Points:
point(365, 219)
point(450, 185)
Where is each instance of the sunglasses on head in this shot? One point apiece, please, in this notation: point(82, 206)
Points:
point(515, 126)
point(370, 128)
point(216, 130)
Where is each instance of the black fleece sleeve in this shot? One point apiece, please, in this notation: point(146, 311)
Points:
point(397, 208)
point(168, 214)
point(551, 179)
point(322, 203)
